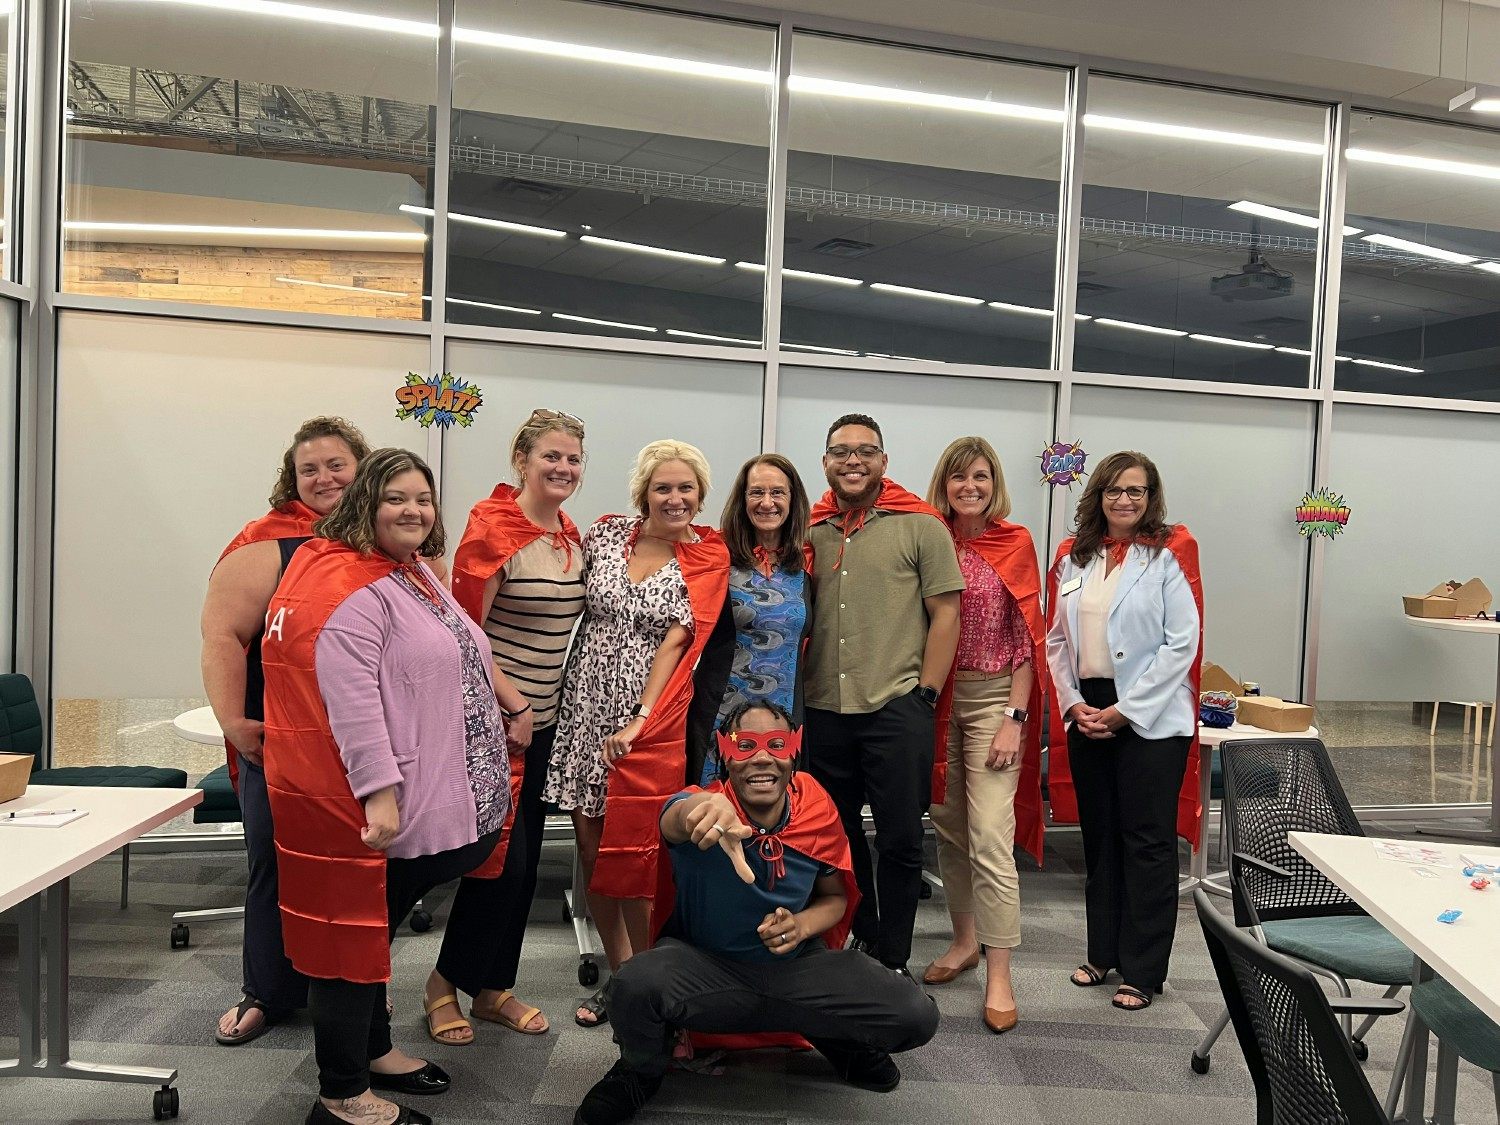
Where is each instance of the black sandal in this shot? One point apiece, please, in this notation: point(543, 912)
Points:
point(594, 1005)
point(1134, 994)
point(1096, 977)
point(246, 1004)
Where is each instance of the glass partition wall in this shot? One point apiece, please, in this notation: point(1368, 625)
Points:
point(644, 226)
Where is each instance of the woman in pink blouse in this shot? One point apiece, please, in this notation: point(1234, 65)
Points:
point(991, 694)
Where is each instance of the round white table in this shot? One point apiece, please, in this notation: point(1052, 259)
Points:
point(1470, 625)
point(199, 725)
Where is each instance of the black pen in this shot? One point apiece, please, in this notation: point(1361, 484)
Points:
point(36, 812)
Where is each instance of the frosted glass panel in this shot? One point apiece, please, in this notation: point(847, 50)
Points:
point(625, 402)
point(1421, 484)
point(170, 435)
point(1233, 470)
point(919, 415)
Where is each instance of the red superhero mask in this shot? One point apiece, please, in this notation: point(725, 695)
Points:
point(741, 746)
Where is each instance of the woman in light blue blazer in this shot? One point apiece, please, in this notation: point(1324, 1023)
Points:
point(1124, 641)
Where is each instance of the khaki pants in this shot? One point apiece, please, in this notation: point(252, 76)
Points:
point(976, 824)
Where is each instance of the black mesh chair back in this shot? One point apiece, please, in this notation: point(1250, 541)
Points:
point(20, 718)
point(1272, 787)
point(1301, 1061)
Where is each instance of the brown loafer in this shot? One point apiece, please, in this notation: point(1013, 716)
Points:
point(940, 974)
point(1000, 1021)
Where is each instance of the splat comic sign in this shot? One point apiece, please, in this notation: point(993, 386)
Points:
point(440, 399)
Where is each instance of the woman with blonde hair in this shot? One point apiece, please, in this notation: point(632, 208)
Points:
point(518, 573)
point(989, 725)
point(655, 586)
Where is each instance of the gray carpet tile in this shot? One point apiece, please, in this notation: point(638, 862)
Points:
point(1072, 1058)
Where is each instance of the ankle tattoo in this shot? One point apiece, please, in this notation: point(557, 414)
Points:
point(369, 1110)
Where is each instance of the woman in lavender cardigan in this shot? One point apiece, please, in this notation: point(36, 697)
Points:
point(386, 765)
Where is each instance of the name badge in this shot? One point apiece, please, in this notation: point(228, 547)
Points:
point(1069, 587)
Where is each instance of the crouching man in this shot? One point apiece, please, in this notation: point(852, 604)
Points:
point(763, 899)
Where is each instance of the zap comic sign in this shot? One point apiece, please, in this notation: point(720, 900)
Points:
point(440, 399)
point(1063, 463)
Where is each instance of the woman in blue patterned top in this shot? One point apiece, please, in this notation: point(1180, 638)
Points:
point(756, 650)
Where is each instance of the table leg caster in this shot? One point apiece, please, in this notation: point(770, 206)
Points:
point(164, 1103)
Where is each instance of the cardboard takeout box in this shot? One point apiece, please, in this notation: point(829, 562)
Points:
point(1215, 678)
point(1467, 600)
point(1270, 713)
point(15, 769)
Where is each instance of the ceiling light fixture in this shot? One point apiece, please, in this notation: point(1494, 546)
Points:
point(635, 59)
point(1266, 211)
point(1192, 133)
point(1295, 351)
point(1389, 366)
point(805, 275)
point(1489, 267)
point(817, 348)
point(1232, 343)
point(489, 305)
point(1026, 310)
point(908, 291)
point(642, 248)
point(245, 232)
point(1477, 99)
point(707, 336)
point(606, 323)
point(1425, 163)
point(1422, 249)
point(308, 14)
point(485, 221)
point(1134, 327)
point(830, 87)
point(349, 288)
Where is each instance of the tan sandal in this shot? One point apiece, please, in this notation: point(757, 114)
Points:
point(497, 1016)
point(453, 1025)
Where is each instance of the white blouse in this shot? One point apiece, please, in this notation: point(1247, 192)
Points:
point(1094, 602)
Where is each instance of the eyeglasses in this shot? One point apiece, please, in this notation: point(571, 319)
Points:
point(1135, 492)
point(542, 414)
point(741, 746)
point(863, 452)
point(756, 495)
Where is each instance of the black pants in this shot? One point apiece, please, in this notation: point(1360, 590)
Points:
point(883, 758)
point(350, 1023)
point(842, 999)
point(487, 924)
point(268, 975)
point(1127, 789)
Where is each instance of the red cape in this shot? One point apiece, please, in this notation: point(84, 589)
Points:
point(293, 520)
point(1009, 550)
point(630, 846)
point(1059, 777)
point(497, 529)
point(894, 498)
point(814, 829)
point(333, 911)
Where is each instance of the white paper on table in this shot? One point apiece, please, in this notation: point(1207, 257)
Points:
point(50, 820)
point(1403, 851)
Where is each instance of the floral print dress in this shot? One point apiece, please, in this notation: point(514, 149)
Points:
point(624, 623)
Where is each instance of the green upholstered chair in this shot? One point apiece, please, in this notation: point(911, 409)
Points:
point(1463, 1031)
point(21, 733)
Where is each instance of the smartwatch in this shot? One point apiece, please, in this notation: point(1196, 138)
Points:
point(640, 711)
point(1016, 713)
point(929, 695)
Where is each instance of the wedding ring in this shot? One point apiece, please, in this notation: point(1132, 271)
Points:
point(717, 828)
point(782, 939)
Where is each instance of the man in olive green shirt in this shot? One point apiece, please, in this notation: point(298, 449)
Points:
point(883, 638)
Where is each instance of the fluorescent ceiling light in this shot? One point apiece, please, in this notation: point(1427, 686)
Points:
point(488, 305)
point(1266, 211)
point(642, 248)
point(805, 275)
point(483, 221)
point(907, 291)
point(1477, 99)
point(1028, 310)
point(802, 84)
point(1421, 248)
point(816, 348)
point(1491, 267)
point(247, 232)
point(634, 59)
point(706, 336)
point(1134, 327)
point(1192, 133)
point(311, 15)
point(349, 288)
point(1295, 351)
point(1231, 343)
point(606, 323)
point(1425, 163)
point(1389, 366)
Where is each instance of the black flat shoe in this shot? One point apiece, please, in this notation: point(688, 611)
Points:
point(320, 1114)
point(430, 1079)
point(860, 1066)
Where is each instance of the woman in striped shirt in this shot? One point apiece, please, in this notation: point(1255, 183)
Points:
point(519, 574)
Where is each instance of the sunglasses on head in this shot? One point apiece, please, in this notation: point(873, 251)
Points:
point(542, 414)
point(741, 746)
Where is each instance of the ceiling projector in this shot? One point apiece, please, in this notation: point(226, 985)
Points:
point(1256, 280)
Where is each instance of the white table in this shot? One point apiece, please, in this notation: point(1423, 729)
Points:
point(1209, 738)
point(199, 725)
point(1470, 625)
point(44, 859)
point(1407, 905)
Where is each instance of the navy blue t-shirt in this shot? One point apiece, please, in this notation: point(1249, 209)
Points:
point(718, 913)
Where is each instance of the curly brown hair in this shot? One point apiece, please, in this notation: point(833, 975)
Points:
point(353, 521)
point(1091, 524)
point(739, 535)
point(324, 425)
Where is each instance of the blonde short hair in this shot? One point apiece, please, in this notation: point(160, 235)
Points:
point(659, 453)
point(956, 458)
